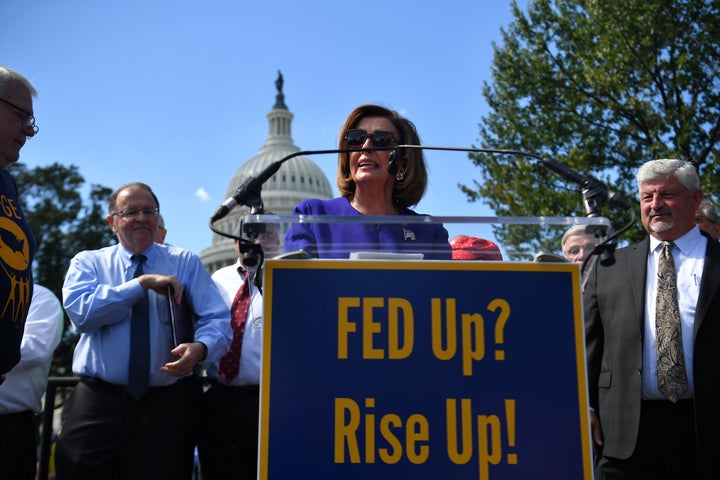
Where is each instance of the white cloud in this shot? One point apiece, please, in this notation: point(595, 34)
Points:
point(202, 194)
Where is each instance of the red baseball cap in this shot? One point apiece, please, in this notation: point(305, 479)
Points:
point(473, 248)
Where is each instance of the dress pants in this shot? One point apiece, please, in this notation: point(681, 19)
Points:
point(107, 434)
point(228, 432)
point(18, 446)
point(666, 448)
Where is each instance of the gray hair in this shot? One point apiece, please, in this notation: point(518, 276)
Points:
point(708, 211)
point(683, 170)
point(575, 229)
point(112, 202)
point(8, 75)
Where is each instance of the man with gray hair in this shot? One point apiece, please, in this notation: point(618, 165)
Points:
point(707, 219)
point(17, 124)
point(651, 333)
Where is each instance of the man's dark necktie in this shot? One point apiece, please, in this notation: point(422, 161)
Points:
point(230, 363)
point(139, 365)
point(672, 377)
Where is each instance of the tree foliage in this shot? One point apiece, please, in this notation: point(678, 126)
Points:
point(64, 224)
point(601, 87)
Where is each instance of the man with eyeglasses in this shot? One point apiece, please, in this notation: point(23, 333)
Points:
point(651, 334)
point(17, 242)
point(577, 245)
point(132, 415)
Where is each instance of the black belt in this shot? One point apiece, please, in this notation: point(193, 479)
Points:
point(237, 390)
point(119, 389)
point(24, 413)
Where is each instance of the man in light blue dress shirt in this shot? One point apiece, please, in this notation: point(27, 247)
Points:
point(106, 431)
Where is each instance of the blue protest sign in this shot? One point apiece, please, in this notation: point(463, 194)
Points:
point(386, 370)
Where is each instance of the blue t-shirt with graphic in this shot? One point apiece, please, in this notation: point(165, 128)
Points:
point(17, 250)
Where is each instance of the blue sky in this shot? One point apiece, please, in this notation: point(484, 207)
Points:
point(174, 93)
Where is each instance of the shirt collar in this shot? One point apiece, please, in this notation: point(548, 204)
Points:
point(239, 268)
point(127, 254)
point(684, 243)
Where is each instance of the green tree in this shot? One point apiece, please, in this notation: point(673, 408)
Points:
point(600, 87)
point(63, 224)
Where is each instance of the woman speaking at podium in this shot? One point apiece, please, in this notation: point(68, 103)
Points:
point(372, 183)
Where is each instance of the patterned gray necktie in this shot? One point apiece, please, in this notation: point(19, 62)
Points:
point(672, 378)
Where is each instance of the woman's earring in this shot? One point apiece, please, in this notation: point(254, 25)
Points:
point(400, 176)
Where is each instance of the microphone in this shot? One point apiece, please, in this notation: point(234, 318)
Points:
point(249, 192)
point(563, 170)
point(392, 166)
point(594, 192)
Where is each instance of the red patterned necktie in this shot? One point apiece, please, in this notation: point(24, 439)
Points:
point(672, 378)
point(230, 363)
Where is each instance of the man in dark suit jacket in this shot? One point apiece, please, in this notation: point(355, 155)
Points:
point(637, 432)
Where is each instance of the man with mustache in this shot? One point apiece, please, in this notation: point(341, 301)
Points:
point(653, 410)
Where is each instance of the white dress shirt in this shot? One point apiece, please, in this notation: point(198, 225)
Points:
point(229, 279)
point(689, 257)
point(25, 384)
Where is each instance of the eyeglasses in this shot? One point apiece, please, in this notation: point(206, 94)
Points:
point(27, 119)
point(356, 137)
point(130, 214)
point(575, 249)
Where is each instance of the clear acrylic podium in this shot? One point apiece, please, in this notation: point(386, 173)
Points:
point(477, 226)
point(394, 367)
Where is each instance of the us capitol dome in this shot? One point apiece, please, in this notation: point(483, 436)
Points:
point(297, 179)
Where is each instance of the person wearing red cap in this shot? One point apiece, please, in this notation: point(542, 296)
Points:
point(473, 248)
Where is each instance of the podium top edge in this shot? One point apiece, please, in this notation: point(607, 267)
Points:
point(426, 219)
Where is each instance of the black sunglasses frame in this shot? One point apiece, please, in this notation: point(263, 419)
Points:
point(355, 138)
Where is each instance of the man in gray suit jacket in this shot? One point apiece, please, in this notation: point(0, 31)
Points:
point(637, 432)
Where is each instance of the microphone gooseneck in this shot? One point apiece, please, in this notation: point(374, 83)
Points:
point(249, 192)
point(595, 193)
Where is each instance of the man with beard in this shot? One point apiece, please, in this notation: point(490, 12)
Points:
point(652, 328)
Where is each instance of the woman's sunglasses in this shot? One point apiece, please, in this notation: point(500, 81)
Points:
point(355, 138)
